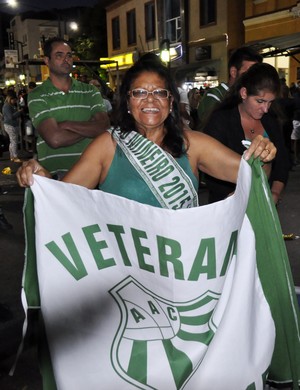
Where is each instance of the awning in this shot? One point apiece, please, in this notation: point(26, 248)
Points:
point(287, 45)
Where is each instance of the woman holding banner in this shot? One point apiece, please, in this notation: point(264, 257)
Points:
point(149, 144)
point(150, 158)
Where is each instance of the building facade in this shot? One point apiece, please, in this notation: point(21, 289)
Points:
point(199, 34)
point(26, 35)
point(131, 30)
point(273, 27)
point(25, 40)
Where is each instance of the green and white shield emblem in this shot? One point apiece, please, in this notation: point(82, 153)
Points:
point(159, 344)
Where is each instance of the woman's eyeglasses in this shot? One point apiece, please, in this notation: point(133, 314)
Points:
point(140, 93)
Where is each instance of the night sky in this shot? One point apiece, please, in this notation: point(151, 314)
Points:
point(36, 5)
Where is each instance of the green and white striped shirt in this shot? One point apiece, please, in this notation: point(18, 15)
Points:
point(81, 103)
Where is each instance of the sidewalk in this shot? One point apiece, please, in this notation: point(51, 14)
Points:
point(12, 259)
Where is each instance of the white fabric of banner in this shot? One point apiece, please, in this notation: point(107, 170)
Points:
point(135, 296)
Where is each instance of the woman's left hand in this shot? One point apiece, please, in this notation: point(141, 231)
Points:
point(261, 147)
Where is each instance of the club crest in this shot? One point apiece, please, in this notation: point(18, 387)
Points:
point(159, 343)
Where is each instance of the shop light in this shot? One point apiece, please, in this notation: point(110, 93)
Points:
point(10, 82)
point(123, 60)
point(165, 55)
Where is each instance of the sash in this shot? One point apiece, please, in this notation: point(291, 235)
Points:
point(171, 186)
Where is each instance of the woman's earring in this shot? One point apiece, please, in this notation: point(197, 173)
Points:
point(128, 111)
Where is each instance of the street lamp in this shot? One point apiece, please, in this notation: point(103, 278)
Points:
point(12, 3)
point(165, 51)
point(73, 26)
point(61, 20)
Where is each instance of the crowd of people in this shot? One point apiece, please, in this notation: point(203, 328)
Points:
point(76, 143)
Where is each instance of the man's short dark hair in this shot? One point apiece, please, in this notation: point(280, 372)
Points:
point(49, 43)
point(245, 53)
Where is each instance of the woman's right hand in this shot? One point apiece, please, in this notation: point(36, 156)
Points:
point(27, 169)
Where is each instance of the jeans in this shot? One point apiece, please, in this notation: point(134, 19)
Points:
point(13, 133)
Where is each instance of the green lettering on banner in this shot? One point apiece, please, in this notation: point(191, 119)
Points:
point(174, 191)
point(207, 250)
point(157, 168)
point(135, 141)
point(141, 250)
point(149, 156)
point(137, 315)
point(231, 251)
point(142, 153)
point(118, 230)
point(155, 162)
point(97, 246)
point(153, 308)
point(171, 312)
point(172, 257)
point(165, 172)
point(77, 270)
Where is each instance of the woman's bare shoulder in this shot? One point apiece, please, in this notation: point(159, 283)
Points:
point(103, 141)
point(194, 137)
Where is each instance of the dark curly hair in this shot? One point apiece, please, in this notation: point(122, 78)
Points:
point(173, 140)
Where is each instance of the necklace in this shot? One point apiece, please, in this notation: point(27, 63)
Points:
point(252, 131)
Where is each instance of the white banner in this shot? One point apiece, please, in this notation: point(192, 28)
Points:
point(11, 58)
point(135, 296)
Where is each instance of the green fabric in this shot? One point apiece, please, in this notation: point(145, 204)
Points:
point(30, 277)
point(276, 279)
point(80, 104)
point(31, 287)
point(211, 97)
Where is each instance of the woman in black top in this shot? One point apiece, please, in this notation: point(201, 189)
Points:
point(244, 114)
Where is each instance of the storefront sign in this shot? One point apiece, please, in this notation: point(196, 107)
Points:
point(11, 58)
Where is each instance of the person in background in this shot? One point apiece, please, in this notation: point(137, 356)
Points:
point(295, 137)
point(66, 113)
point(293, 89)
point(194, 99)
point(11, 122)
point(107, 102)
point(285, 106)
point(184, 104)
point(243, 115)
point(284, 89)
point(83, 78)
point(239, 62)
point(28, 128)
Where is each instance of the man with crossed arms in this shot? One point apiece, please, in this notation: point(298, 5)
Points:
point(67, 114)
